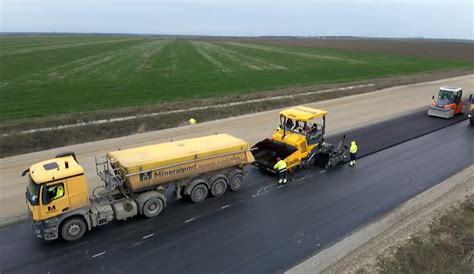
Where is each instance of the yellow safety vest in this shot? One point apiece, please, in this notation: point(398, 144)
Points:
point(59, 192)
point(280, 165)
point(353, 148)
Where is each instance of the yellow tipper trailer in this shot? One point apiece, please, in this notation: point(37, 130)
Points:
point(135, 182)
point(146, 166)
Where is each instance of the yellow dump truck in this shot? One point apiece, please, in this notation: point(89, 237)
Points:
point(299, 140)
point(134, 183)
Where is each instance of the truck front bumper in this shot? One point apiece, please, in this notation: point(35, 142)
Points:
point(47, 229)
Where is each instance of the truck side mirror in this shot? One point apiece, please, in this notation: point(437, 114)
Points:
point(471, 99)
point(432, 97)
point(25, 172)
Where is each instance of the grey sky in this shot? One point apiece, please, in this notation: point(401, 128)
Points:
point(396, 18)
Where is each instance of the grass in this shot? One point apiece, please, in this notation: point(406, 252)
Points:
point(447, 248)
point(50, 75)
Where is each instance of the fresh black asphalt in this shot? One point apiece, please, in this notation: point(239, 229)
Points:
point(263, 228)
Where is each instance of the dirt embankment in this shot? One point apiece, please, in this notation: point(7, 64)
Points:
point(14, 142)
point(448, 247)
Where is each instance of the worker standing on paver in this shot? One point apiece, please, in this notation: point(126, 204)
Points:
point(353, 152)
point(280, 167)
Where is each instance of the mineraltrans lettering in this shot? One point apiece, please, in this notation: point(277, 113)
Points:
point(171, 172)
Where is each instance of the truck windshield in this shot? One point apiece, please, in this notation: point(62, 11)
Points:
point(32, 192)
point(446, 95)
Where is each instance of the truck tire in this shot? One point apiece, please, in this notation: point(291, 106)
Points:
point(218, 185)
point(153, 207)
point(199, 193)
point(144, 197)
point(236, 179)
point(73, 229)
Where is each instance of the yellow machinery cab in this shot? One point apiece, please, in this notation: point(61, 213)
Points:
point(300, 131)
point(56, 188)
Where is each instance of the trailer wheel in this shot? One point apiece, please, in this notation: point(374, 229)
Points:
point(219, 186)
point(73, 229)
point(199, 193)
point(236, 180)
point(153, 207)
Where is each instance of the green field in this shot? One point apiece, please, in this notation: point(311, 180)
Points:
point(48, 75)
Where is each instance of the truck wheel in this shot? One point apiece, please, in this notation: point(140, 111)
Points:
point(199, 193)
point(219, 186)
point(153, 207)
point(73, 229)
point(236, 180)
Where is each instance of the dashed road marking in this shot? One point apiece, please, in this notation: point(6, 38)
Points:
point(98, 254)
point(322, 171)
point(148, 236)
point(281, 186)
point(189, 220)
point(258, 194)
point(226, 206)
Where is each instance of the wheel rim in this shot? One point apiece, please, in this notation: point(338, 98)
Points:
point(74, 229)
point(237, 182)
point(219, 188)
point(199, 193)
point(153, 207)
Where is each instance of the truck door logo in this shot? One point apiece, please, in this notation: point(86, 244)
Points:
point(52, 208)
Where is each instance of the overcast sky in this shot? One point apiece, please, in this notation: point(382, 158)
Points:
point(394, 18)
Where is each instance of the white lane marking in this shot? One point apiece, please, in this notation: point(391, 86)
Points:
point(98, 254)
point(281, 186)
point(322, 171)
point(148, 236)
point(258, 194)
point(226, 206)
point(189, 220)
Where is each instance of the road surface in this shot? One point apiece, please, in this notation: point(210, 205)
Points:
point(344, 113)
point(263, 228)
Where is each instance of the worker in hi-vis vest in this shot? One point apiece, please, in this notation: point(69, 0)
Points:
point(352, 153)
point(280, 167)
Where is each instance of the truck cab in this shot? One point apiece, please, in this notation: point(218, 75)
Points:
point(301, 130)
point(57, 189)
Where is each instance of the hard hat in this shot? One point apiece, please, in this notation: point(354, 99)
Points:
point(192, 121)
